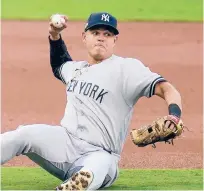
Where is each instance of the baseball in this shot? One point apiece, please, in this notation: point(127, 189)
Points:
point(57, 20)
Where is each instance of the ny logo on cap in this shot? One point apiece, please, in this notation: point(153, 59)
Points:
point(105, 17)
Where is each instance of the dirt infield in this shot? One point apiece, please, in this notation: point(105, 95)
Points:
point(172, 49)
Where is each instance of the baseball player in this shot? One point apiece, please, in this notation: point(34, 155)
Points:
point(84, 151)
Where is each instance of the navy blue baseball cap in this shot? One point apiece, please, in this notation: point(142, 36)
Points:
point(102, 19)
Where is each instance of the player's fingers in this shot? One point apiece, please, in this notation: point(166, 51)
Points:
point(55, 28)
point(167, 124)
point(65, 18)
point(172, 126)
point(51, 24)
point(64, 25)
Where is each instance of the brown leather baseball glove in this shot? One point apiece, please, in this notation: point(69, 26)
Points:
point(164, 129)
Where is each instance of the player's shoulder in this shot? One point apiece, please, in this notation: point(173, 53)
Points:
point(74, 64)
point(130, 62)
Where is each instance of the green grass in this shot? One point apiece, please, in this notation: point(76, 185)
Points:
point(159, 10)
point(38, 179)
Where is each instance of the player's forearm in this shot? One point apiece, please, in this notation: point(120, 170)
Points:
point(58, 54)
point(172, 97)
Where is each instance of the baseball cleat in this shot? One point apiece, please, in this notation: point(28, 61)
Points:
point(79, 181)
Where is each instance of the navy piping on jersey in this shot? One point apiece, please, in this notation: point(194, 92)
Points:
point(60, 73)
point(153, 85)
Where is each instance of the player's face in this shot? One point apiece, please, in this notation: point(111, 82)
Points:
point(100, 43)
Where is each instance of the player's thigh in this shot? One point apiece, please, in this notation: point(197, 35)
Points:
point(102, 165)
point(50, 147)
point(50, 142)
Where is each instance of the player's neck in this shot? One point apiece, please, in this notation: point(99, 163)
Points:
point(93, 61)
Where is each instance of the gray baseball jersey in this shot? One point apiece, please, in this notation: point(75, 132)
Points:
point(100, 98)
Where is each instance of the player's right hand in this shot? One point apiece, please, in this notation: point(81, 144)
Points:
point(55, 32)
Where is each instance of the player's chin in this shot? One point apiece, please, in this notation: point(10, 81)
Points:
point(99, 55)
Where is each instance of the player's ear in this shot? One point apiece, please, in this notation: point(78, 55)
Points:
point(115, 38)
point(83, 36)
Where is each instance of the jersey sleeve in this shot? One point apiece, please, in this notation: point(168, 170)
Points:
point(65, 71)
point(58, 57)
point(138, 81)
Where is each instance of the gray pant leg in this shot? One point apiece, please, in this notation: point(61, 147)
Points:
point(103, 166)
point(48, 146)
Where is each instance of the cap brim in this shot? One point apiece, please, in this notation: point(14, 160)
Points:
point(114, 30)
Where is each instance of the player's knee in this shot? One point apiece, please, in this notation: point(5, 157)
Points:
point(23, 130)
point(100, 169)
point(107, 172)
point(92, 172)
point(20, 137)
point(24, 134)
point(103, 158)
